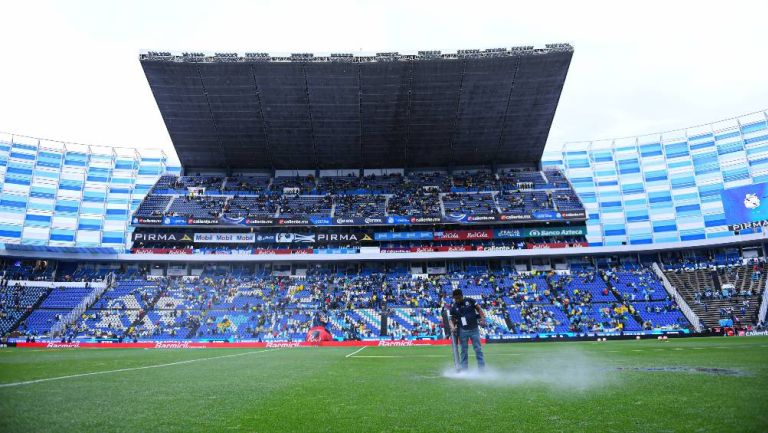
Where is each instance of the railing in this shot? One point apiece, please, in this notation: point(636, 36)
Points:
point(72, 316)
point(684, 308)
point(763, 304)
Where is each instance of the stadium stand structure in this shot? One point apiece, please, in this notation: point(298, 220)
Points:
point(363, 214)
point(410, 195)
point(16, 303)
point(229, 305)
point(720, 295)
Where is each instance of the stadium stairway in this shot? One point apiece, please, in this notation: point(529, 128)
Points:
point(688, 282)
point(69, 313)
point(336, 325)
point(31, 309)
point(442, 205)
point(150, 307)
point(507, 320)
point(400, 317)
point(78, 310)
point(620, 300)
point(196, 325)
point(361, 316)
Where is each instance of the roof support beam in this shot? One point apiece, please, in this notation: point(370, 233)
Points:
point(309, 114)
point(225, 151)
point(408, 114)
point(455, 125)
point(506, 112)
point(360, 114)
point(257, 95)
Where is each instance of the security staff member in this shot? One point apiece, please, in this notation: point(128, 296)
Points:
point(466, 315)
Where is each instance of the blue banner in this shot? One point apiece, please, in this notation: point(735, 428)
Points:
point(745, 204)
point(266, 238)
point(336, 251)
point(321, 221)
point(398, 220)
point(175, 221)
point(403, 236)
point(546, 215)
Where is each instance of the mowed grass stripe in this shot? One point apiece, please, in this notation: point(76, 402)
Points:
point(320, 390)
point(201, 397)
point(120, 370)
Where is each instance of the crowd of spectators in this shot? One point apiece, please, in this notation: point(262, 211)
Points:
point(197, 206)
point(251, 207)
point(359, 206)
point(232, 306)
point(470, 203)
point(422, 202)
point(297, 205)
point(414, 194)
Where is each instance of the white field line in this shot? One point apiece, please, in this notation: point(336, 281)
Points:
point(119, 370)
point(356, 351)
point(424, 356)
point(399, 356)
point(657, 349)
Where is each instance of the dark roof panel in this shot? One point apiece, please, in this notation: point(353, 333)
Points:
point(361, 113)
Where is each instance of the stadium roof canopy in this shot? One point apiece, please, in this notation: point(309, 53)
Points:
point(256, 111)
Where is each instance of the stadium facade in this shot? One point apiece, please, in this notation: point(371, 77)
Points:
point(665, 187)
point(651, 189)
point(66, 195)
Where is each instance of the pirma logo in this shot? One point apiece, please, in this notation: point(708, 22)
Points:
point(751, 201)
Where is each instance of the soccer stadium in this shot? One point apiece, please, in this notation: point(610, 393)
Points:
point(332, 231)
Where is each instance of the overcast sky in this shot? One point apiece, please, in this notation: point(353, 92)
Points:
point(70, 69)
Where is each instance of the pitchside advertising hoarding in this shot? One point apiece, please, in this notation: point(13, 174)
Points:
point(356, 238)
point(537, 232)
point(250, 238)
point(163, 237)
point(544, 215)
point(225, 238)
point(746, 206)
point(313, 238)
point(188, 344)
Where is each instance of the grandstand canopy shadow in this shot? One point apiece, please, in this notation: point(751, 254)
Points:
point(385, 111)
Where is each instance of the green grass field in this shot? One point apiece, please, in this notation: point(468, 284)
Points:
point(687, 385)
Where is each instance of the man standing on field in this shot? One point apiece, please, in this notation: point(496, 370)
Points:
point(466, 315)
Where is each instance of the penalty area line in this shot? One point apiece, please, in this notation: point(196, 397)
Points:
point(356, 351)
point(120, 370)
